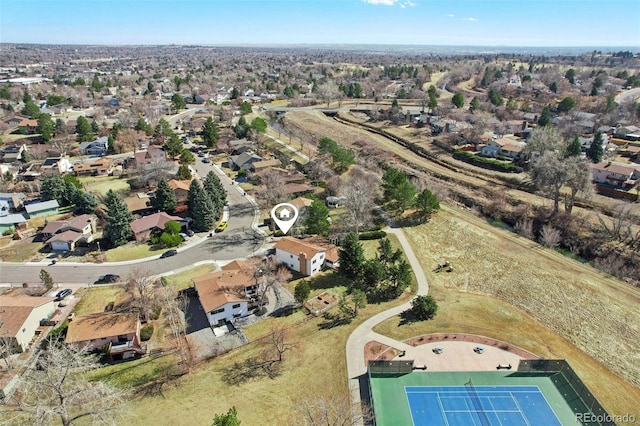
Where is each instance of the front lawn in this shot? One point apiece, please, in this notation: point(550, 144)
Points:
point(131, 251)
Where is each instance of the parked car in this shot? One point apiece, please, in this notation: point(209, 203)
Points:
point(168, 253)
point(184, 236)
point(109, 278)
point(200, 154)
point(190, 233)
point(62, 294)
point(221, 227)
point(206, 160)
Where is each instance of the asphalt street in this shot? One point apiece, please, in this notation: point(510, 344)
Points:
point(238, 240)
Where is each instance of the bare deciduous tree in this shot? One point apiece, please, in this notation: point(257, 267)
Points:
point(328, 91)
point(174, 307)
point(142, 289)
point(360, 191)
point(330, 410)
point(59, 390)
point(281, 341)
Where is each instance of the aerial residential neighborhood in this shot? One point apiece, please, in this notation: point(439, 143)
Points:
point(346, 234)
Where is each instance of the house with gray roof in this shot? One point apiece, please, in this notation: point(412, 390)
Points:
point(97, 147)
point(42, 208)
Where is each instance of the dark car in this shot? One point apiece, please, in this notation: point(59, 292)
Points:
point(109, 278)
point(168, 253)
point(62, 294)
point(206, 160)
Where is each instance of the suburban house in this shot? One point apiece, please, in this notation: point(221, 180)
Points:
point(181, 189)
point(10, 201)
point(63, 235)
point(20, 317)
point(12, 153)
point(97, 147)
point(29, 124)
point(258, 166)
point(300, 256)
point(9, 222)
point(225, 294)
point(627, 132)
point(145, 160)
point(511, 150)
point(97, 167)
point(143, 228)
point(42, 208)
point(331, 255)
point(116, 333)
point(618, 175)
point(55, 166)
point(243, 161)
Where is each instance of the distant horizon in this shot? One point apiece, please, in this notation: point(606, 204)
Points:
point(472, 23)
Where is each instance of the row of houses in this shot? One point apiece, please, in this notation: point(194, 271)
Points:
point(22, 316)
point(228, 294)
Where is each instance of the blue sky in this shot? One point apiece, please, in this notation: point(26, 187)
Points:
point(417, 22)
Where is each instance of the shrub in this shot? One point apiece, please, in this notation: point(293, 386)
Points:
point(373, 235)
point(146, 332)
point(7, 232)
point(156, 312)
point(487, 163)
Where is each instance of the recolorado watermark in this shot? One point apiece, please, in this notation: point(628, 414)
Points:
point(600, 418)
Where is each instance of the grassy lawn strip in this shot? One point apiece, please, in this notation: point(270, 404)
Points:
point(487, 316)
point(183, 280)
point(131, 251)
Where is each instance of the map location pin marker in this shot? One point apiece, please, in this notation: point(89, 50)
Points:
point(284, 215)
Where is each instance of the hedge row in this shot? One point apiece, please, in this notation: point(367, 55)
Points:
point(372, 235)
point(487, 163)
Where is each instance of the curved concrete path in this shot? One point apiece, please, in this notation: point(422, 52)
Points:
point(356, 367)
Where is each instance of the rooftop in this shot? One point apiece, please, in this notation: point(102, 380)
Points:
point(100, 325)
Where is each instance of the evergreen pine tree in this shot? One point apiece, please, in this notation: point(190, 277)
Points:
point(351, 255)
point(165, 197)
point(574, 149)
point(217, 194)
point(117, 230)
point(595, 151)
point(201, 207)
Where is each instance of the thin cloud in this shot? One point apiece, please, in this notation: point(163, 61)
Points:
point(402, 4)
point(471, 19)
point(451, 15)
point(383, 2)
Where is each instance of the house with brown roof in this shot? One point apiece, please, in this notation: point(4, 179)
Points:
point(20, 317)
point(143, 228)
point(331, 255)
point(117, 333)
point(225, 295)
point(95, 167)
point(181, 189)
point(63, 235)
point(618, 175)
point(264, 164)
point(300, 256)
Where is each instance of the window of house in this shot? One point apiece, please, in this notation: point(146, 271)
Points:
point(314, 261)
point(236, 306)
point(237, 315)
point(291, 256)
point(217, 311)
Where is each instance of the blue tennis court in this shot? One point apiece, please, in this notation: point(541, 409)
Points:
point(479, 405)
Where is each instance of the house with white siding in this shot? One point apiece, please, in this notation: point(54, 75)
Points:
point(300, 256)
point(225, 295)
point(20, 317)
